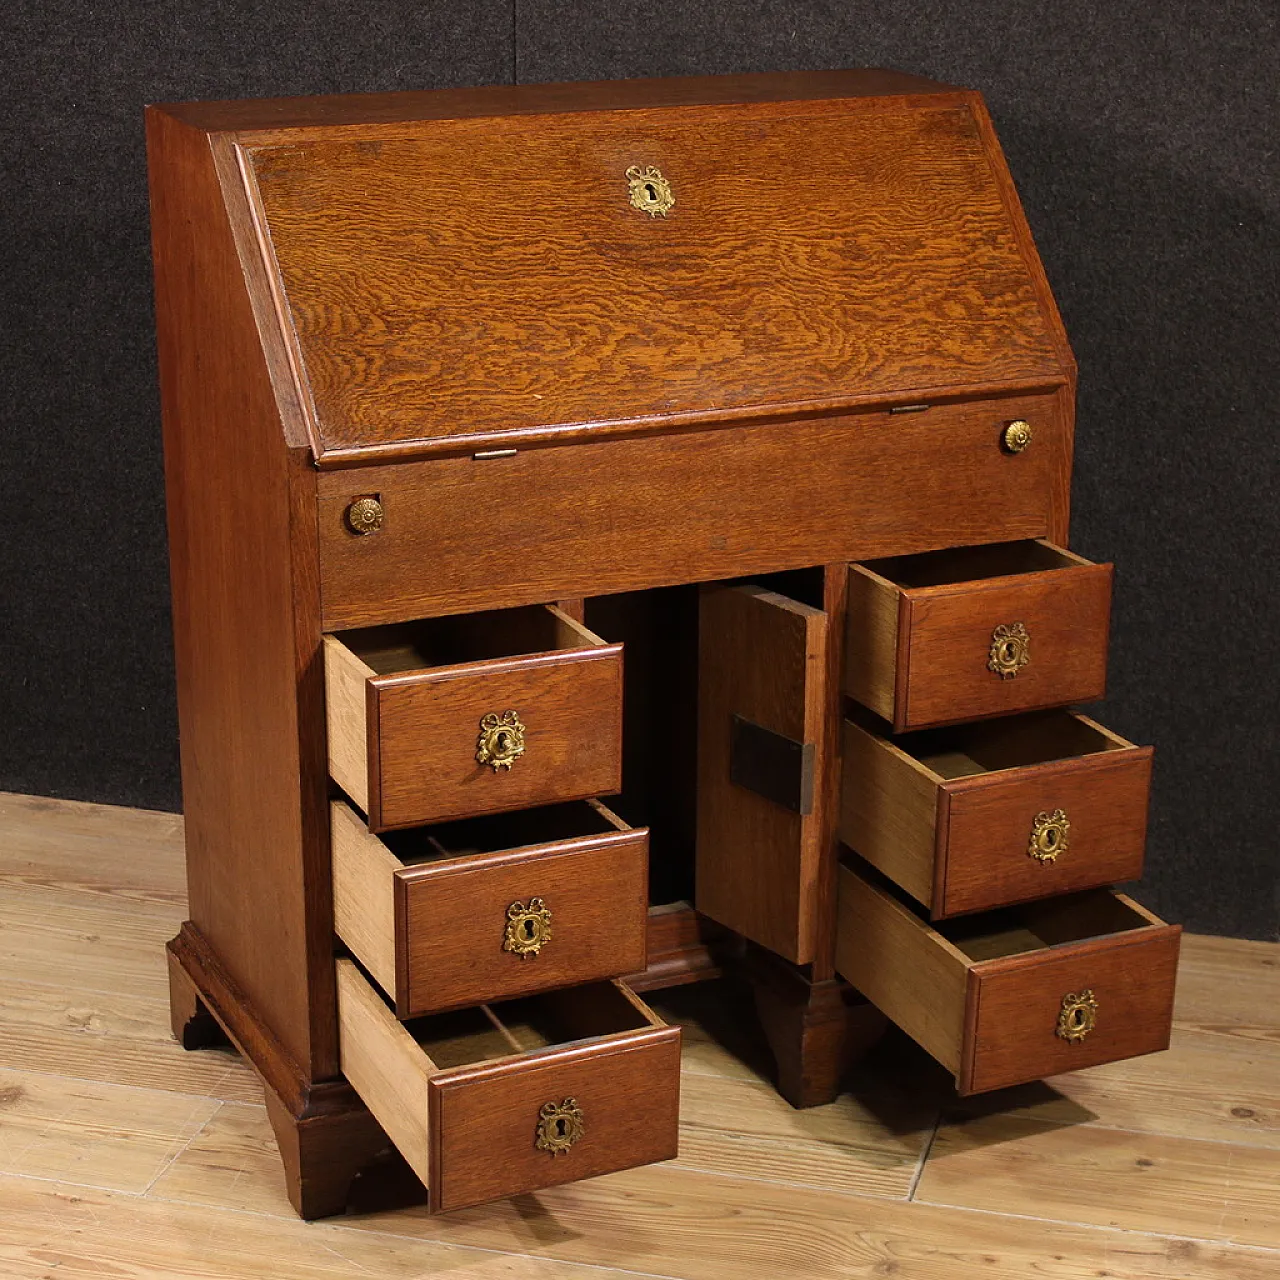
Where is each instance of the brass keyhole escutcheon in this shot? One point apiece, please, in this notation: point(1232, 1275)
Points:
point(1016, 436)
point(1010, 650)
point(1078, 1015)
point(501, 740)
point(365, 515)
point(650, 191)
point(528, 928)
point(560, 1125)
point(1049, 833)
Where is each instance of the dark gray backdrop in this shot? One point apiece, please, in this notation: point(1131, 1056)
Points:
point(1143, 140)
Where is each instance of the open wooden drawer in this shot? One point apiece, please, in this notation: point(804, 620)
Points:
point(985, 815)
point(1013, 995)
point(972, 632)
point(498, 1100)
point(479, 713)
point(494, 907)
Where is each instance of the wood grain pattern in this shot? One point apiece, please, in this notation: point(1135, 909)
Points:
point(923, 659)
point(762, 657)
point(432, 934)
point(1014, 1006)
point(681, 508)
point(623, 317)
point(955, 835)
point(346, 713)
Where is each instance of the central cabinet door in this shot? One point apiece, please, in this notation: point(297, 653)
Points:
point(761, 706)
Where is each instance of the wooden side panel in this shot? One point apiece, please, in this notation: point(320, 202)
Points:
point(1014, 1006)
point(346, 710)
point(428, 725)
point(385, 1066)
point(364, 905)
point(988, 829)
point(889, 811)
point(454, 918)
point(871, 641)
point(903, 967)
point(1066, 613)
point(484, 1120)
point(241, 507)
point(761, 657)
point(692, 507)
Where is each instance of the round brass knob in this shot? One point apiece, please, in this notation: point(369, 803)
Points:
point(1049, 834)
point(1017, 435)
point(365, 515)
point(528, 928)
point(1078, 1015)
point(1010, 650)
point(501, 740)
point(560, 1125)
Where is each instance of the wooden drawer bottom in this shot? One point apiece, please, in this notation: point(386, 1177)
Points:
point(1013, 995)
point(498, 1100)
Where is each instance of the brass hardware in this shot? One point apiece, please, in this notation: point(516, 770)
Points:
point(909, 408)
point(1010, 650)
point(650, 191)
point(1078, 1015)
point(488, 455)
point(501, 740)
point(365, 515)
point(1048, 836)
point(560, 1125)
point(1017, 435)
point(528, 927)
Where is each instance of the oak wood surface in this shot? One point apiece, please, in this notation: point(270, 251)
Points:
point(1142, 1169)
point(956, 835)
point(432, 934)
point(684, 507)
point(934, 669)
point(876, 219)
point(762, 657)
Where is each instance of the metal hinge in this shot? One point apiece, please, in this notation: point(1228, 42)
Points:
point(772, 765)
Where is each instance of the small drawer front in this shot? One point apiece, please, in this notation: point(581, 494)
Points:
point(553, 910)
point(495, 734)
point(960, 837)
point(925, 650)
point(1015, 995)
point(484, 1106)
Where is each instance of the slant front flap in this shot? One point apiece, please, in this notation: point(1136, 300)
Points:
point(452, 281)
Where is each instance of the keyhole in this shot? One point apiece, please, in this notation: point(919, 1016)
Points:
point(501, 741)
point(651, 192)
point(1077, 1019)
point(561, 1128)
point(528, 928)
point(1008, 652)
point(1051, 838)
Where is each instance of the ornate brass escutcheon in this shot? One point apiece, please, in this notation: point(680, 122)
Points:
point(365, 515)
point(560, 1125)
point(501, 741)
point(528, 927)
point(650, 191)
point(1010, 650)
point(1078, 1015)
point(1017, 435)
point(1049, 833)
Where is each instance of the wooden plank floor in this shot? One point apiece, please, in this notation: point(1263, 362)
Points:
point(123, 1156)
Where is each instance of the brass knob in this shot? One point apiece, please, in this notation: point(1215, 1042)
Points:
point(1017, 435)
point(1010, 650)
point(1078, 1015)
point(528, 928)
point(1048, 836)
point(501, 740)
point(560, 1125)
point(365, 515)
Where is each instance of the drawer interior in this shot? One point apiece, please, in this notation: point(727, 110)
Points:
point(492, 833)
point(471, 637)
point(972, 564)
point(488, 1032)
point(962, 751)
point(1019, 930)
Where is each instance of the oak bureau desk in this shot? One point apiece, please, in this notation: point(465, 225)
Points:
point(618, 537)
